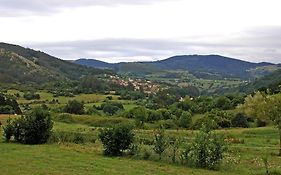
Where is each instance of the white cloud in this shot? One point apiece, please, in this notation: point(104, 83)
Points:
point(246, 29)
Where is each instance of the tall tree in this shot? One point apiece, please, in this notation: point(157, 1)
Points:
point(273, 108)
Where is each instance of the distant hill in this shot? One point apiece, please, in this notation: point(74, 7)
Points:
point(24, 65)
point(123, 67)
point(271, 81)
point(201, 66)
point(94, 63)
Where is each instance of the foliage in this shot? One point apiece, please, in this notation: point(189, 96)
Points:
point(174, 144)
point(206, 151)
point(34, 128)
point(140, 115)
point(74, 107)
point(8, 105)
point(207, 121)
point(223, 103)
point(117, 139)
point(154, 116)
point(131, 95)
point(8, 130)
point(273, 109)
point(31, 96)
point(240, 120)
point(111, 107)
point(254, 105)
point(160, 142)
point(222, 118)
point(185, 119)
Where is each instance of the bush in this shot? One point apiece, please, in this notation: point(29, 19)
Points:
point(261, 122)
point(31, 96)
point(8, 130)
point(111, 107)
point(154, 116)
point(160, 143)
point(140, 115)
point(8, 105)
point(117, 139)
point(167, 124)
point(185, 120)
point(74, 107)
point(206, 151)
point(240, 120)
point(34, 128)
point(211, 123)
point(6, 109)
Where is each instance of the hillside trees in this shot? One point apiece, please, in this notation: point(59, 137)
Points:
point(265, 108)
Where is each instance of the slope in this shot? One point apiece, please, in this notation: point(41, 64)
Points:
point(23, 65)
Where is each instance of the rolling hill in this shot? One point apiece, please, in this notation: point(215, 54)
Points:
point(271, 81)
point(199, 65)
point(24, 65)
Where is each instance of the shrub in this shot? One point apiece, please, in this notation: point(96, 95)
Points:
point(74, 107)
point(211, 123)
point(160, 143)
point(185, 120)
point(8, 130)
point(111, 107)
point(261, 122)
point(240, 120)
point(174, 144)
point(140, 115)
point(6, 109)
point(31, 96)
point(206, 151)
point(8, 105)
point(167, 124)
point(166, 114)
point(117, 139)
point(154, 116)
point(34, 128)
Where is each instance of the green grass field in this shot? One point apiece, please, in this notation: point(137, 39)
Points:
point(69, 158)
point(246, 147)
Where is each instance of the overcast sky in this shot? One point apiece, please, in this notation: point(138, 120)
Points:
point(137, 30)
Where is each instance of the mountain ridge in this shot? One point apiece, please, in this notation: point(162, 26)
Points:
point(196, 64)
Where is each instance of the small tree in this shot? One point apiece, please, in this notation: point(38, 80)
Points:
point(240, 120)
point(206, 151)
point(160, 143)
point(34, 128)
point(273, 109)
point(117, 139)
point(74, 107)
point(175, 144)
point(140, 115)
point(185, 119)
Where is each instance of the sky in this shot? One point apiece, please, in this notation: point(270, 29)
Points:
point(144, 30)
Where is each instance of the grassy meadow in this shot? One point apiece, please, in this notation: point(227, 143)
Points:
point(243, 157)
point(246, 147)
